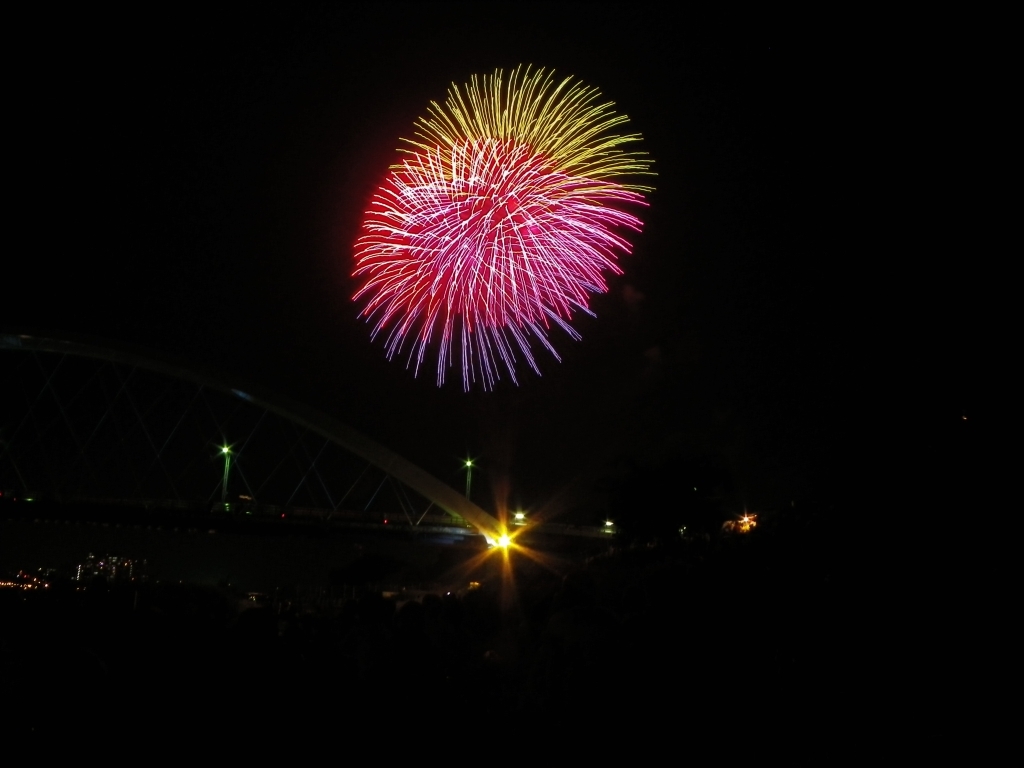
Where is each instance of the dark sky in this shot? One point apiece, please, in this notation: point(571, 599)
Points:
point(194, 184)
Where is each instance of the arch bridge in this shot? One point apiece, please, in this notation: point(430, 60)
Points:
point(83, 420)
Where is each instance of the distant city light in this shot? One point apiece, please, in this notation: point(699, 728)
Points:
point(25, 581)
point(744, 525)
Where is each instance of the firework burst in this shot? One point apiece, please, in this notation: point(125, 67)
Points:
point(499, 223)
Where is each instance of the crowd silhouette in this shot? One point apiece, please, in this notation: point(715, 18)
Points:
point(654, 635)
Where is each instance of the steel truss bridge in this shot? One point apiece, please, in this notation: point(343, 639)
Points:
point(84, 421)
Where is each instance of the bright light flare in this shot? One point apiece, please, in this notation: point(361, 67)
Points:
point(502, 540)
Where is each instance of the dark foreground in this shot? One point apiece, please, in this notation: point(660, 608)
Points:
point(773, 632)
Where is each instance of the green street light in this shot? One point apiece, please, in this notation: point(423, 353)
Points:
point(468, 464)
point(226, 450)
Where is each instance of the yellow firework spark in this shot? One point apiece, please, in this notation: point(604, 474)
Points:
point(565, 122)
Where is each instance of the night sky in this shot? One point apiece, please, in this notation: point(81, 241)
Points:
point(194, 184)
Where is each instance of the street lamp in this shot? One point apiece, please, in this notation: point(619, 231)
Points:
point(226, 450)
point(468, 464)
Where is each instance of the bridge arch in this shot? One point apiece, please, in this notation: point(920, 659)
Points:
point(305, 417)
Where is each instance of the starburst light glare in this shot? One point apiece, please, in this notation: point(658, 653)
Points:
point(507, 211)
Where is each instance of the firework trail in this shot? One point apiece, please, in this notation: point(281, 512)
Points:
point(499, 223)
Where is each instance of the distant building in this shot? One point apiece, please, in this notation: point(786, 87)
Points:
point(111, 567)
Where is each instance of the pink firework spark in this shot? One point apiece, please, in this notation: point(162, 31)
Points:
point(481, 245)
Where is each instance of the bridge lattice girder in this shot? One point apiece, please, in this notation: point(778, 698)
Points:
point(330, 429)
